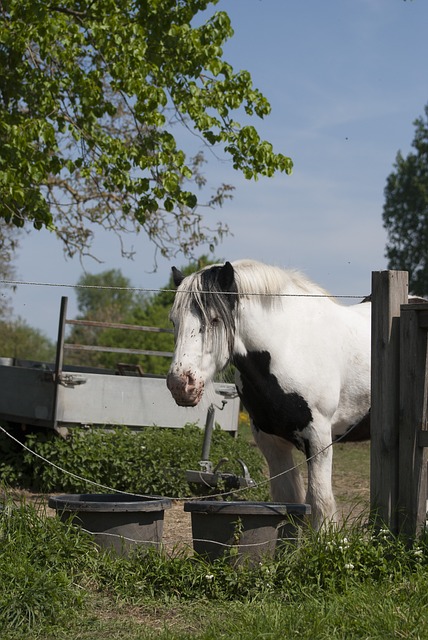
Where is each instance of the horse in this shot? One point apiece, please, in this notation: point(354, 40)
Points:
point(302, 362)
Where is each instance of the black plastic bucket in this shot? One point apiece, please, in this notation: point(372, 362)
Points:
point(247, 530)
point(117, 521)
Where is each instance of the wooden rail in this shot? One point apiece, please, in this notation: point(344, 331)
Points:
point(118, 325)
point(107, 325)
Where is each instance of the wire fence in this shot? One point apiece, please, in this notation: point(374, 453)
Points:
point(15, 283)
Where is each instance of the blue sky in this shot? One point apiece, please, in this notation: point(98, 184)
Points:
point(345, 79)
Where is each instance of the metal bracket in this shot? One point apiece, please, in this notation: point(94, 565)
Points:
point(212, 477)
point(70, 380)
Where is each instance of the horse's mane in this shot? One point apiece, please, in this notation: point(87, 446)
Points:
point(256, 281)
point(254, 277)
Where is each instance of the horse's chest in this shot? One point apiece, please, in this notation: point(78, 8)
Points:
point(284, 413)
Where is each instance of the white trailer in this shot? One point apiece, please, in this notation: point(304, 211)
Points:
point(55, 396)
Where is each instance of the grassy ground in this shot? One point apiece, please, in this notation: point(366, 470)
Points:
point(341, 587)
point(365, 613)
point(385, 610)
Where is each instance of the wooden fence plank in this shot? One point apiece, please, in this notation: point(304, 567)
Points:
point(389, 291)
point(413, 421)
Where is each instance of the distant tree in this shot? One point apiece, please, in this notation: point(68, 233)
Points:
point(405, 213)
point(104, 296)
point(89, 94)
point(152, 312)
point(19, 340)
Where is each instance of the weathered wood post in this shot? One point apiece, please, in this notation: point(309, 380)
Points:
point(413, 438)
point(389, 291)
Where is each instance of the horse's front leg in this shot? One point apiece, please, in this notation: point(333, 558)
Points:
point(286, 484)
point(320, 466)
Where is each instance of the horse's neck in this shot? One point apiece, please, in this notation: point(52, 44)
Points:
point(270, 327)
point(258, 327)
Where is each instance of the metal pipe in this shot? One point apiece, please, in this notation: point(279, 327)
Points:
point(209, 426)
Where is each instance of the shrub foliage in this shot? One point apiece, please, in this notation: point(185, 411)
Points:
point(152, 461)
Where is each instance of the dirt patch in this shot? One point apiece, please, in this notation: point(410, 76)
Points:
point(177, 528)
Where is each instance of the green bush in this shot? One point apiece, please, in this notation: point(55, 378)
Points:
point(152, 461)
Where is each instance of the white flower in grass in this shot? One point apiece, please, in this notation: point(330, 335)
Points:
point(349, 566)
point(209, 577)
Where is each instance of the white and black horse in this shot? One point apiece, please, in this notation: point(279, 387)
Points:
point(302, 360)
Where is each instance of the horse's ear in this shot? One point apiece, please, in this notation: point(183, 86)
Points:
point(226, 277)
point(177, 276)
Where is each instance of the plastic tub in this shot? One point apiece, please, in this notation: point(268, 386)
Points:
point(117, 521)
point(248, 530)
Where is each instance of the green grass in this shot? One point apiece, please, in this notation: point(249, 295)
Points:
point(347, 583)
point(381, 612)
point(339, 584)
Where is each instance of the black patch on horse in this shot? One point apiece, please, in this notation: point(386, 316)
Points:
point(272, 409)
point(219, 280)
point(215, 303)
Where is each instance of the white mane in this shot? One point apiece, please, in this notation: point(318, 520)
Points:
point(254, 277)
point(257, 282)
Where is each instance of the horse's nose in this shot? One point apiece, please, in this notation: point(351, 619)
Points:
point(181, 382)
point(184, 387)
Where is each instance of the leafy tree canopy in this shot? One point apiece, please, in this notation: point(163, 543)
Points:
point(89, 93)
point(405, 213)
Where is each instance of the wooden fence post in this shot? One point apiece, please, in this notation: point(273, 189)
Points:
point(389, 291)
point(413, 438)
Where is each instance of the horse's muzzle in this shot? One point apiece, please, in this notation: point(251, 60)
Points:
point(184, 388)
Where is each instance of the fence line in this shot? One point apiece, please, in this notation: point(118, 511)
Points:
point(144, 290)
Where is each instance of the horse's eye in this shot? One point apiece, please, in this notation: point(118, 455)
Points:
point(215, 321)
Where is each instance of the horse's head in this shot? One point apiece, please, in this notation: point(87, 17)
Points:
point(203, 315)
